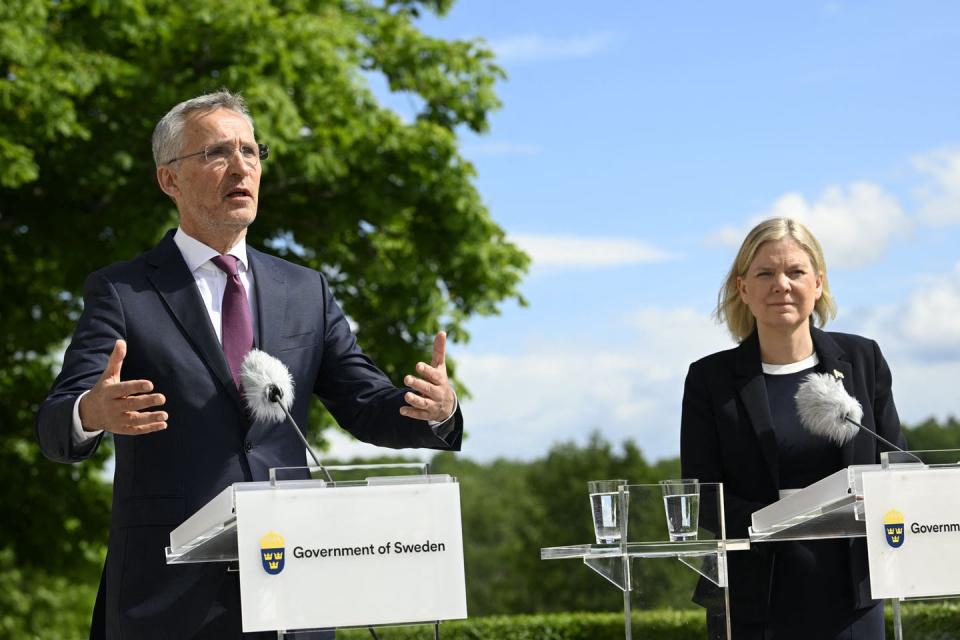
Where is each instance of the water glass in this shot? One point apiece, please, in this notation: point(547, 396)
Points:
point(605, 504)
point(681, 503)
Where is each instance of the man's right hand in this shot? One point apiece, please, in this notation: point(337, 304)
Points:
point(115, 406)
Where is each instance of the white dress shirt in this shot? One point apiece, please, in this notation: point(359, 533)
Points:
point(211, 281)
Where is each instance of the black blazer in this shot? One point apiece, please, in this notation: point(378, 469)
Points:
point(727, 436)
point(161, 478)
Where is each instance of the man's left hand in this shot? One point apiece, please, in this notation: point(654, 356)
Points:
point(434, 398)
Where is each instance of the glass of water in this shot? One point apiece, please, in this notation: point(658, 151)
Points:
point(605, 504)
point(681, 503)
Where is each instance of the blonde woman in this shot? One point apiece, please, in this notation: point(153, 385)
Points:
point(740, 427)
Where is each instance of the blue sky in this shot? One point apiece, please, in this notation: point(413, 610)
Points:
point(636, 145)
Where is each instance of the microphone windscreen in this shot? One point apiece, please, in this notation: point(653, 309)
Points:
point(823, 404)
point(258, 372)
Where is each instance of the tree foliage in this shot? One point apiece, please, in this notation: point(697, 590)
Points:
point(513, 509)
point(386, 207)
point(931, 434)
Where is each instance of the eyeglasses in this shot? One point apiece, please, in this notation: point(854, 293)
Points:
point(219, 155)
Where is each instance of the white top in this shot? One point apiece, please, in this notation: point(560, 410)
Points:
point(793, 367)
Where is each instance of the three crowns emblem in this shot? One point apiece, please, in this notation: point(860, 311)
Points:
point(893, 529)
point(272, 552)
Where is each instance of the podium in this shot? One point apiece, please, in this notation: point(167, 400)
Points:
point(908, 509)
point(382, 550)
point(644, 543)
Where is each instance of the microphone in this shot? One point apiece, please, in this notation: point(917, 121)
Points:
point(268, 392)
point(827, 410)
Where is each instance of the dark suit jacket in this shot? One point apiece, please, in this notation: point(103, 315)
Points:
point(727, 436)
point(161, 478)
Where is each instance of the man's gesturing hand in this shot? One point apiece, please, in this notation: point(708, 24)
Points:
point(115, 406)
point(434, 399)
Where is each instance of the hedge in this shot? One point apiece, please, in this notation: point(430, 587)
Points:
point(672, 625)
point(922, 621)
point(65, 617)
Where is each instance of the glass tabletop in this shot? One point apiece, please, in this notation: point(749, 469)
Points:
point(689, 548)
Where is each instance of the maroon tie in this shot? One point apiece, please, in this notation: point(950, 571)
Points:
point(236, 324)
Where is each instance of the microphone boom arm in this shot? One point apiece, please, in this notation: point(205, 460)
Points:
point(276, 395)
point(875, 435)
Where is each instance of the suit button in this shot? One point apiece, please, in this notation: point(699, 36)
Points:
point(248, 446)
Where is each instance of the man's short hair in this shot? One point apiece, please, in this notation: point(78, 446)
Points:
point(166, 136)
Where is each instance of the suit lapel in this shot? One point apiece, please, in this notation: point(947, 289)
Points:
point(833, 361)
point(176, 285)
point(270, 292)
point(753, 393)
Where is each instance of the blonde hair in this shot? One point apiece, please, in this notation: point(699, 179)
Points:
point(734, 311)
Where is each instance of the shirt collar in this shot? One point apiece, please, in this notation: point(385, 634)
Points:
point(196, 254)
point(794, 367)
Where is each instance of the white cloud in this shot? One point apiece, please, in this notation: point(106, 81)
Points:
point(587, 252)
point(524, 402)
point(562, 390)
point(932, 317)
point(501, 148)
point(923, 389)
point(673, 338)
point(854, 225)
point(920, 338)
point(924, 327)
point(939, 199)
point(535, 47)
point(730, 235)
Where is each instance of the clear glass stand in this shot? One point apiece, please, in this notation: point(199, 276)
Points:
point(631, 564)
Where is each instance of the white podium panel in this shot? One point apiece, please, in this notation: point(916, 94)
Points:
point(345, 556)
point(913, 532)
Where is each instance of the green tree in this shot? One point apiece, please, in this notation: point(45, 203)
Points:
point(385, 207)
point(931, 434)
point(512, 509)
point(501, 519)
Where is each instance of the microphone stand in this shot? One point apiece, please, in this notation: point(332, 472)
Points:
point(276, 395)
point(881, 439)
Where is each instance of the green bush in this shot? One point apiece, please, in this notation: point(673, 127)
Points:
point(656, 625)
point(41, 606)
point(922, 621)
point(928, 621)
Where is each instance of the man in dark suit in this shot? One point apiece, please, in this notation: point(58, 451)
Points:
point(154, 360)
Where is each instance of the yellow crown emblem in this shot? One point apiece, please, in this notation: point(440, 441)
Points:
point(272, 540)
point(893, 517)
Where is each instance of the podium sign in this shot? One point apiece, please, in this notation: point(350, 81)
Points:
point(913, 532)
point(350, 555)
